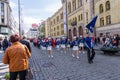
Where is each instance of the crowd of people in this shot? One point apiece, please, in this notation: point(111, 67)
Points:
point(78, 45)
point(17, 50)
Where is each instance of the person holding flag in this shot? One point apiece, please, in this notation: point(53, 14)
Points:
point(89, 41)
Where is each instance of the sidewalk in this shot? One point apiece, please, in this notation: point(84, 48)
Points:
point(3, 68)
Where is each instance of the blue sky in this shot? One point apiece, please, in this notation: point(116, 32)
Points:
point(35, 10)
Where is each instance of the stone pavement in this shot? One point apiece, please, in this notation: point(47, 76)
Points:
point(3, 68)
point(64, 67)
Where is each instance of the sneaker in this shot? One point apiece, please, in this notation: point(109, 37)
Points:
point(77, 57)
point(79, 51)
point(73, 55)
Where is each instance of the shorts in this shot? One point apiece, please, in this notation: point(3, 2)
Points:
point(62, 46)
point(49, 48)
point(81, 45)
point(75, 47)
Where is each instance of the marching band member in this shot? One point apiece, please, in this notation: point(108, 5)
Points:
point(43, 45)
point(58, 43)
point(63, 44)
point(49, 47)
point(75, 48)
point(81, 41)
point(68, 44)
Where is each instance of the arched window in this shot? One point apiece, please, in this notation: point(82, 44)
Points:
point(107, 5)
point(79, 3)
point(101, 8)
point(69, 7)
point(74, 4)
point(108, 19)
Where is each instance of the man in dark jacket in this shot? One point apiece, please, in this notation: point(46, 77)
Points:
point(25, 42)
point(5, 43)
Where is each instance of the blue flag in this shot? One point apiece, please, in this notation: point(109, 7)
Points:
point(91, 25)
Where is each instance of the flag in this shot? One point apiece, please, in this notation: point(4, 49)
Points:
point(91, 25)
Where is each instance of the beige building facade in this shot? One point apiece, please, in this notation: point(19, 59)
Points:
point(108, 17)
point(81, 12)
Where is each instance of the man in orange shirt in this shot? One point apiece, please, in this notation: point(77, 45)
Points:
point(17, 57)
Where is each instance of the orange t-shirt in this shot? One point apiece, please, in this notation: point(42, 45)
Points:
point(17, 57)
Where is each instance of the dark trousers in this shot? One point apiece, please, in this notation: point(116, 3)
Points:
point(22, 75)
point(90, 54)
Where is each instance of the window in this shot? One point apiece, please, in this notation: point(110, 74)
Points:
point(86, 17)
point(61, 26)
point(57, 18)
point(69, 7)
point(70, 22)
point(107, 5)
point(54, 21)
point(61, 15)
point(81, 17)
point(101, 8)
point(57, 27)
point(74, 4)
point(2, 13)
point(2, 20)
point(79, 3)
point(108, 19)
point(102, 21)
point(57, 33)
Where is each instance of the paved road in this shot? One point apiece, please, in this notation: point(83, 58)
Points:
point(65, 67)
point(3, 68)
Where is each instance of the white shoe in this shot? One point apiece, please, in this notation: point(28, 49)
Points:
point(73, 55)
point(79, 51)
point(77, 57)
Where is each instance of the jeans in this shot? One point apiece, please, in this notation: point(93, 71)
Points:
point(22, 75)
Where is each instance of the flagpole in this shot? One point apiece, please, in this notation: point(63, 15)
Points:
point(19, 17)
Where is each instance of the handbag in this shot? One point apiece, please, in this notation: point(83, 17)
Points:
point(29, 75)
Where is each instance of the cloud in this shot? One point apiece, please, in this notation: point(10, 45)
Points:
point(13, 5)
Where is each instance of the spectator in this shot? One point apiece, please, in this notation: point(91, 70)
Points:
point(17, 57)
point(5, 43)
point(25, 42)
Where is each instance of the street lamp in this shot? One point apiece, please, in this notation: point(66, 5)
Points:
point(65, 17)
point(19, 10)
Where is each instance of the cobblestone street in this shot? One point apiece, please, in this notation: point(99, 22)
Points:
point(65, 67)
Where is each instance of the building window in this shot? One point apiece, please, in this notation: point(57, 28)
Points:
point(58, 33)
point(69, 22)
point(61, 15)
point(57, 27)
point(86, 17)
point(108, 19)
point(74, 4)
point(69, 7)
point(107, 5)
point(79, 3)
point(57, 18)
point(101, 8)
point(81, 17)
point(2, 13)
point(54, 21)
point(102, 21)
point(61, 26)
